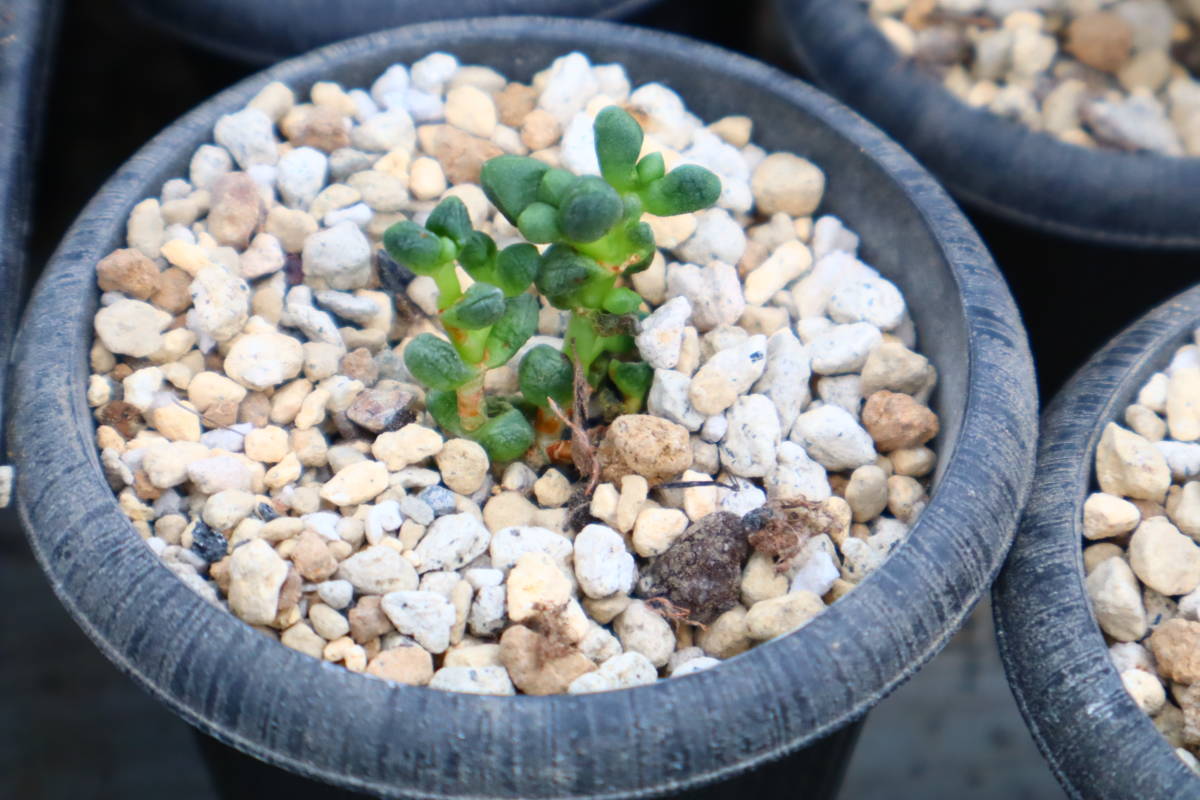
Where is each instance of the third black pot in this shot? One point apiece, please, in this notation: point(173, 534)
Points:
point(677, 735)
point(993, 164)
point(1098, 742)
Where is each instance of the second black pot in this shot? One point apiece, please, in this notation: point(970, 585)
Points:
point(264, 31)
point(994, 164)
point(1098, 742)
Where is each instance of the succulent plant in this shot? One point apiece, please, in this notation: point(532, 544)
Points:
point(486, 324)
point(595, 237)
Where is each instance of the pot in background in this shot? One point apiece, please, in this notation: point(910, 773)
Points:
point(993, 164)
point(27, 32)
point(266, 31)
point(1098, 742)
point(398, 741)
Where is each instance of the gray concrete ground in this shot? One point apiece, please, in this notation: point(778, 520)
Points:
point(952, 731)
point(73, 728)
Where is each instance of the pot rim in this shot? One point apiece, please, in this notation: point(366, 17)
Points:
point(1067, 687)
point(158, 13)
point(1035, 163)
point(925, 589)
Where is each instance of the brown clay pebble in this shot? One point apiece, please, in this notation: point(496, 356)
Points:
point(514, 102)
point(411, 665)
point(1102, 40)
point(639, 444)
point(538, 666)
point(702, 571)
point(387, 407)
point(367, 619)
point(359, 365)
point(122, 416)
point(896, 421)
point(128, 271)
point(312, 558)
point(221, 415)
point(320, 127)
point(255, 409)
point(1176, 647)
point(237, 209)
point(461, 154)
point(174, 291)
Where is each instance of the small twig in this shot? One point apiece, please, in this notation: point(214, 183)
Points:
point(697, 485)
point(668, 610)
point(582, 451)
point(203, 417)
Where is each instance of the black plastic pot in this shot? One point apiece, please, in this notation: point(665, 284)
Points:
point(265, 31)
point(26, 32)
point(1098, 742)
point(993, 164)
point(395, 741)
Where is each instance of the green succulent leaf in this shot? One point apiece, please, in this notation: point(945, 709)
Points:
point(415, 247)
point(450, 219)
point(651, 168)
point(511, 183)
point(443, 407)
point(507, 435)
point(546, 372)
point(685, 188)
point(477, 254)
point(618, 143)
point(589, 209)
point(621, 300)
point(513, 329)
point(435, 363)
point(640, 239)
point(480, 306)
point(516, 267)
point(554, 185)
point(539, 223)
point(632, 378)
point(563, 275)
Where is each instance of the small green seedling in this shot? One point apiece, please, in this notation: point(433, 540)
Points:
point(596, 236)
point(486, 324)
point(594, 239)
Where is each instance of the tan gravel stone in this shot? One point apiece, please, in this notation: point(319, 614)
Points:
point(1163, 558)
point(897, 421)
point(357, 483)
point(534, 664)
point(463, 464)
point(1129, 466)
point(776, 616)
point(302, 638)
point(128, 271)
point(552, 489)
point(652, 447)
point(1183, 404)
point(727, 635)
point(411, 665)
point(785, 182)
point(1176, 648)
point(1116, 600)
point(412, 444)
point(256, 574)
point(534, 584)
point(508, 510)
point(1102, 40)
point(1105, 516)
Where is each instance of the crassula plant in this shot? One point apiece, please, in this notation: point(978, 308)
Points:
point(594, 239)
